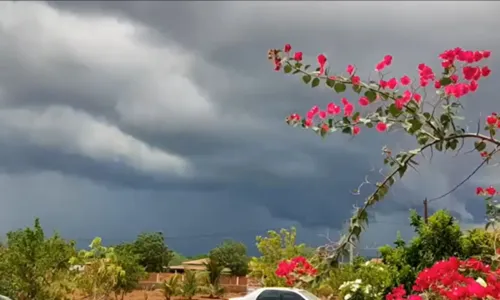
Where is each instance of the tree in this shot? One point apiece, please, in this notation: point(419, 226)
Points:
point(151, 250)
point(273, 249)
point(133, 272)
point(101, 272)
point(177, 259)
point(439, 239)
point(171, 287)
point(212, 277)
point(35, 267)
point(232, 255)
point(189, 285)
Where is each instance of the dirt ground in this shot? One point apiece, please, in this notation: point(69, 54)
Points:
point(157, 295)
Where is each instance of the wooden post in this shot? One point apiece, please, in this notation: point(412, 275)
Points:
point(426, 212)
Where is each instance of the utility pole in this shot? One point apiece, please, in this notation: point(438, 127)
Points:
point(426, 212)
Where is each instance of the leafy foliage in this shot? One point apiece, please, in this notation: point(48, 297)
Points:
point(211, 279)
point(439, 239)
point(189, 285)
point(133, 272)
point(35, 267)
point(232, 255)
point(171, 287)
point(273, 249)
point(151, 250)
point(101, 272)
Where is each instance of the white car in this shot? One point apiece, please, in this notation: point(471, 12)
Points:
point(276, 293)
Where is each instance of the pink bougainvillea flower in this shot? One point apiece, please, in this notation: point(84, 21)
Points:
point(350, 69)
point(380, 66)
point(491, 120)
point(381, 127)
point(491, 191)
point(355, 130)
point(363, 101)
point(392, 83)
point(287, 48)
point(485, 71)
point(388, 60)
point(333, 109)
point(356, 80)
point(348, 110)
point(405, 80)
point(322, 114)
point(383, 84)
point(322, 62)
point(298, 56)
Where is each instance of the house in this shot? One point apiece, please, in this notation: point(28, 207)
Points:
point(197, 265)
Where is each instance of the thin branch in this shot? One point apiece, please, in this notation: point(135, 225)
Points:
point(465, 180)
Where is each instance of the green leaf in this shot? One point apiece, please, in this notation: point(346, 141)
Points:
point(347, 130)
point(315, 82)
point(330, 123)
point(394, 111)
point(369, 125)
point(445, 81)
point(346, 120)
point(371, 95)
point(287, 69)
point(452, 144)
point(339, 87)
point(480, 146)
point(296, 71)
point(306, 67)
point(306, 78)
point(402, 170)
point(355, 116)
point(415, 126)
point(422, 139)
point(427, 115)
point(330, 82)
point(357, 88)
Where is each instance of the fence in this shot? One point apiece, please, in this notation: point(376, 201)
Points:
point(232, 284)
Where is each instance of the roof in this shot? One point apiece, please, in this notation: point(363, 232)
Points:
point(195, 265)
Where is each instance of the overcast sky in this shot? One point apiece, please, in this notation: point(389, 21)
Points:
point(123, 117)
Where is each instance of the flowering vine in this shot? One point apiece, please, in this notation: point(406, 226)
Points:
point(396, 102)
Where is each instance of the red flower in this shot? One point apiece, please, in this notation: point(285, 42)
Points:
point(355, 80)
point(380, 66)
point(491, 191)
point(350, 69)
point(491, 120)
point(388, 60)
point(405, 80)
point(355, 130)
point(363, 101)
point(485, 71)
point(298, 56)
point(381, 127)
point(321, 61)
point(479, 190)
point(392, 83)
point(287, 48)
point(333, 109)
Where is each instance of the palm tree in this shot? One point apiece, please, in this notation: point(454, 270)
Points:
point(212, 280)
point(171, 287)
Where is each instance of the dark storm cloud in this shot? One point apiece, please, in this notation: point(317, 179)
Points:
point(243, 153)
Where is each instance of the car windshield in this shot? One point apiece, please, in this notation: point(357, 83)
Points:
point(309, 295)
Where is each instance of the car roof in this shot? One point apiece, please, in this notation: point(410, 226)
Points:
point(280, 289)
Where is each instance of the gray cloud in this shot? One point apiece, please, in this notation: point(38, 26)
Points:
point(167, 116)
